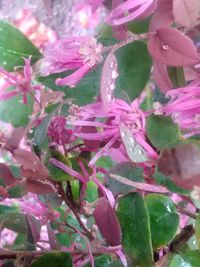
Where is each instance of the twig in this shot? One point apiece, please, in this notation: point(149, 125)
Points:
point(186, 212)
point(68, 203)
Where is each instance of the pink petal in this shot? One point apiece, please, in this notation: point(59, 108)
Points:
point(74, 78)
point(68, 170)
point(161, 77)
point(186, 12)
point(170, 47)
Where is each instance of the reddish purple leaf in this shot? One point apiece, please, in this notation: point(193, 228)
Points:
point(52, 238)
point(15, 139)
point(34, 228)
point(27, 159)
point(170, 47)
point(40, 174)
point(38, 187)
point(163, 16)
point(108, 78)
point(6, 174)
point(181, 164)
point(31, 167)
point(107, 222)
point(161, 77)
point(186, 12)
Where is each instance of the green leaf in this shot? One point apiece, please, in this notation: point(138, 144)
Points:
point(14, 221)
point(134, 65)
point(134, 220)
point(127, 170)
point(15, 112)
point(41, 131)
point(91, 192)
point(56, 173)
point(54, 259)
point(139, 26)
point(164, 180)
point(85, 91)
point(162, 131)
point(189, 259)
point(14, 45)
point(197, 230)
point(5, 209)
point(164, 220)
point(104, 261)
point(177, 77)
point(63, 239)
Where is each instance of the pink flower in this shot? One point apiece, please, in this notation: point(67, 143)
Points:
point(184, 107)
point(110, 130)
point(58, 132)
point(36, 31)
point(75, 53)
point(22, 83)
point(95, 4)
point(130, 10)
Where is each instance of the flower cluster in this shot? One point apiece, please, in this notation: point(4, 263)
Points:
point(100, 160)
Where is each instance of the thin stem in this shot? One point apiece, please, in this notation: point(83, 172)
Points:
point(68, 203)
point(186, 212)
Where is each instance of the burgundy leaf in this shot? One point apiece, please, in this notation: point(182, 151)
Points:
point(15, 139)
point(170, 47)
point(27, 159)
point(6, 174)
point(161, 76)
point(52, 237)
point(38, 187)
point(107, 222)
point(34, 228)
point(31, 167)
point(186, 12)
point(108, 77)
point(163, 16)
point(181, 164)
point(40, 174)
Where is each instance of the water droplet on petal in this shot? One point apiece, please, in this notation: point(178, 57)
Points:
point(165, 47)
point(114, 74)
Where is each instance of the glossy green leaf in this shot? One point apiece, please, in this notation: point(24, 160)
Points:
point(164, 220)
point(162, 131)
point(189, 259)
point(85, 91)
point(134, 220)
point(105, 261)
point(54, 259)
point(134, 65)
point(197, 230)
point(15, 112)
point(14, 46)
point(127, 170)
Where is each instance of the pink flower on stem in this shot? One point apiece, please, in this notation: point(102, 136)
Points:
point(76, 53)
point(22, 83)
point(58, 132)
point(130, 10)
point(184, 107)
point(109, 131)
